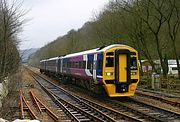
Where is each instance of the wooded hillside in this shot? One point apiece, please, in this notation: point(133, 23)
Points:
point(150, 26)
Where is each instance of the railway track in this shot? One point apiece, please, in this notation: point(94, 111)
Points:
point(26, 111)
point(159, 98)
point(135, 110)
point(138, 109)
point(80, 109)
point(158, 93)
point(147, 110)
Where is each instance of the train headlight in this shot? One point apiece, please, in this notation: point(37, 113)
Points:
point(109, 73)
point(133, 73)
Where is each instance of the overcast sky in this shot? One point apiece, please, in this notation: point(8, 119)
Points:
point(53, 18)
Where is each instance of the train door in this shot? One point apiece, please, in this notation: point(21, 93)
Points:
point(122, 70)
point(58, 65)
point(94, 67)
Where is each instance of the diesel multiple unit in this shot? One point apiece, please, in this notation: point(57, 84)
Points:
point(112, 69)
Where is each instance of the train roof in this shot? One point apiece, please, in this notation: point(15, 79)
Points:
point(81, 53)
point(43, 60)
point(92, 51)
point(54, 58)
point(114, 45)
point(96, 50)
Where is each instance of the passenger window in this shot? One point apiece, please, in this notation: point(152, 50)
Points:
point(81, 65)
point(84, 64)
point(63, 64)
point(68, 66)
point(109, 61)
point(76, 64)
point(73, 64)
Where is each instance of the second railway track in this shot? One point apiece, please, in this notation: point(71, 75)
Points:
point(82, 109)
point(159, 98)
point(136, 108)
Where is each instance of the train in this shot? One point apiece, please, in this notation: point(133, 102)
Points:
point(112, 70)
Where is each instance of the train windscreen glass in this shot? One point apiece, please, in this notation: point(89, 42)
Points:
point(109, 61)
point(133, 63)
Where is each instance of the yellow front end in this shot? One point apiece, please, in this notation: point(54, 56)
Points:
point(120, 71)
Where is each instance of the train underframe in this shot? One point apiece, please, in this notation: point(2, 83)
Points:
point(77, 81)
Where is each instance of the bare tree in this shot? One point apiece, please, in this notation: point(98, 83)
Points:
point(155, 20)
point(173, 22)
point(10, 25)
point(138, 31)
point(138, 35)
point(152, 16)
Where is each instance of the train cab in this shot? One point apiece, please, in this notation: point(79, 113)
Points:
point(121, 72)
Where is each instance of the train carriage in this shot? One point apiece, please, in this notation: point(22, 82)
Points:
point(42, 66)
point(113, 68)
point(51, 64)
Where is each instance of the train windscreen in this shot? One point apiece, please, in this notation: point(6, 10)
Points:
point(109, 61)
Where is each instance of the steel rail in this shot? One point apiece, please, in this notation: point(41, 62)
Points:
point(139, 113)
point(156, 107)
point(41, 106)
point(127, 106)
point(72, 109)
point(171, 102)
point(57, 102)
point(107, 109)
point(84, 111)
point(124, 108)
point(100, 107)
point(25, 107)
point(154, 112)
point(158, 92)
